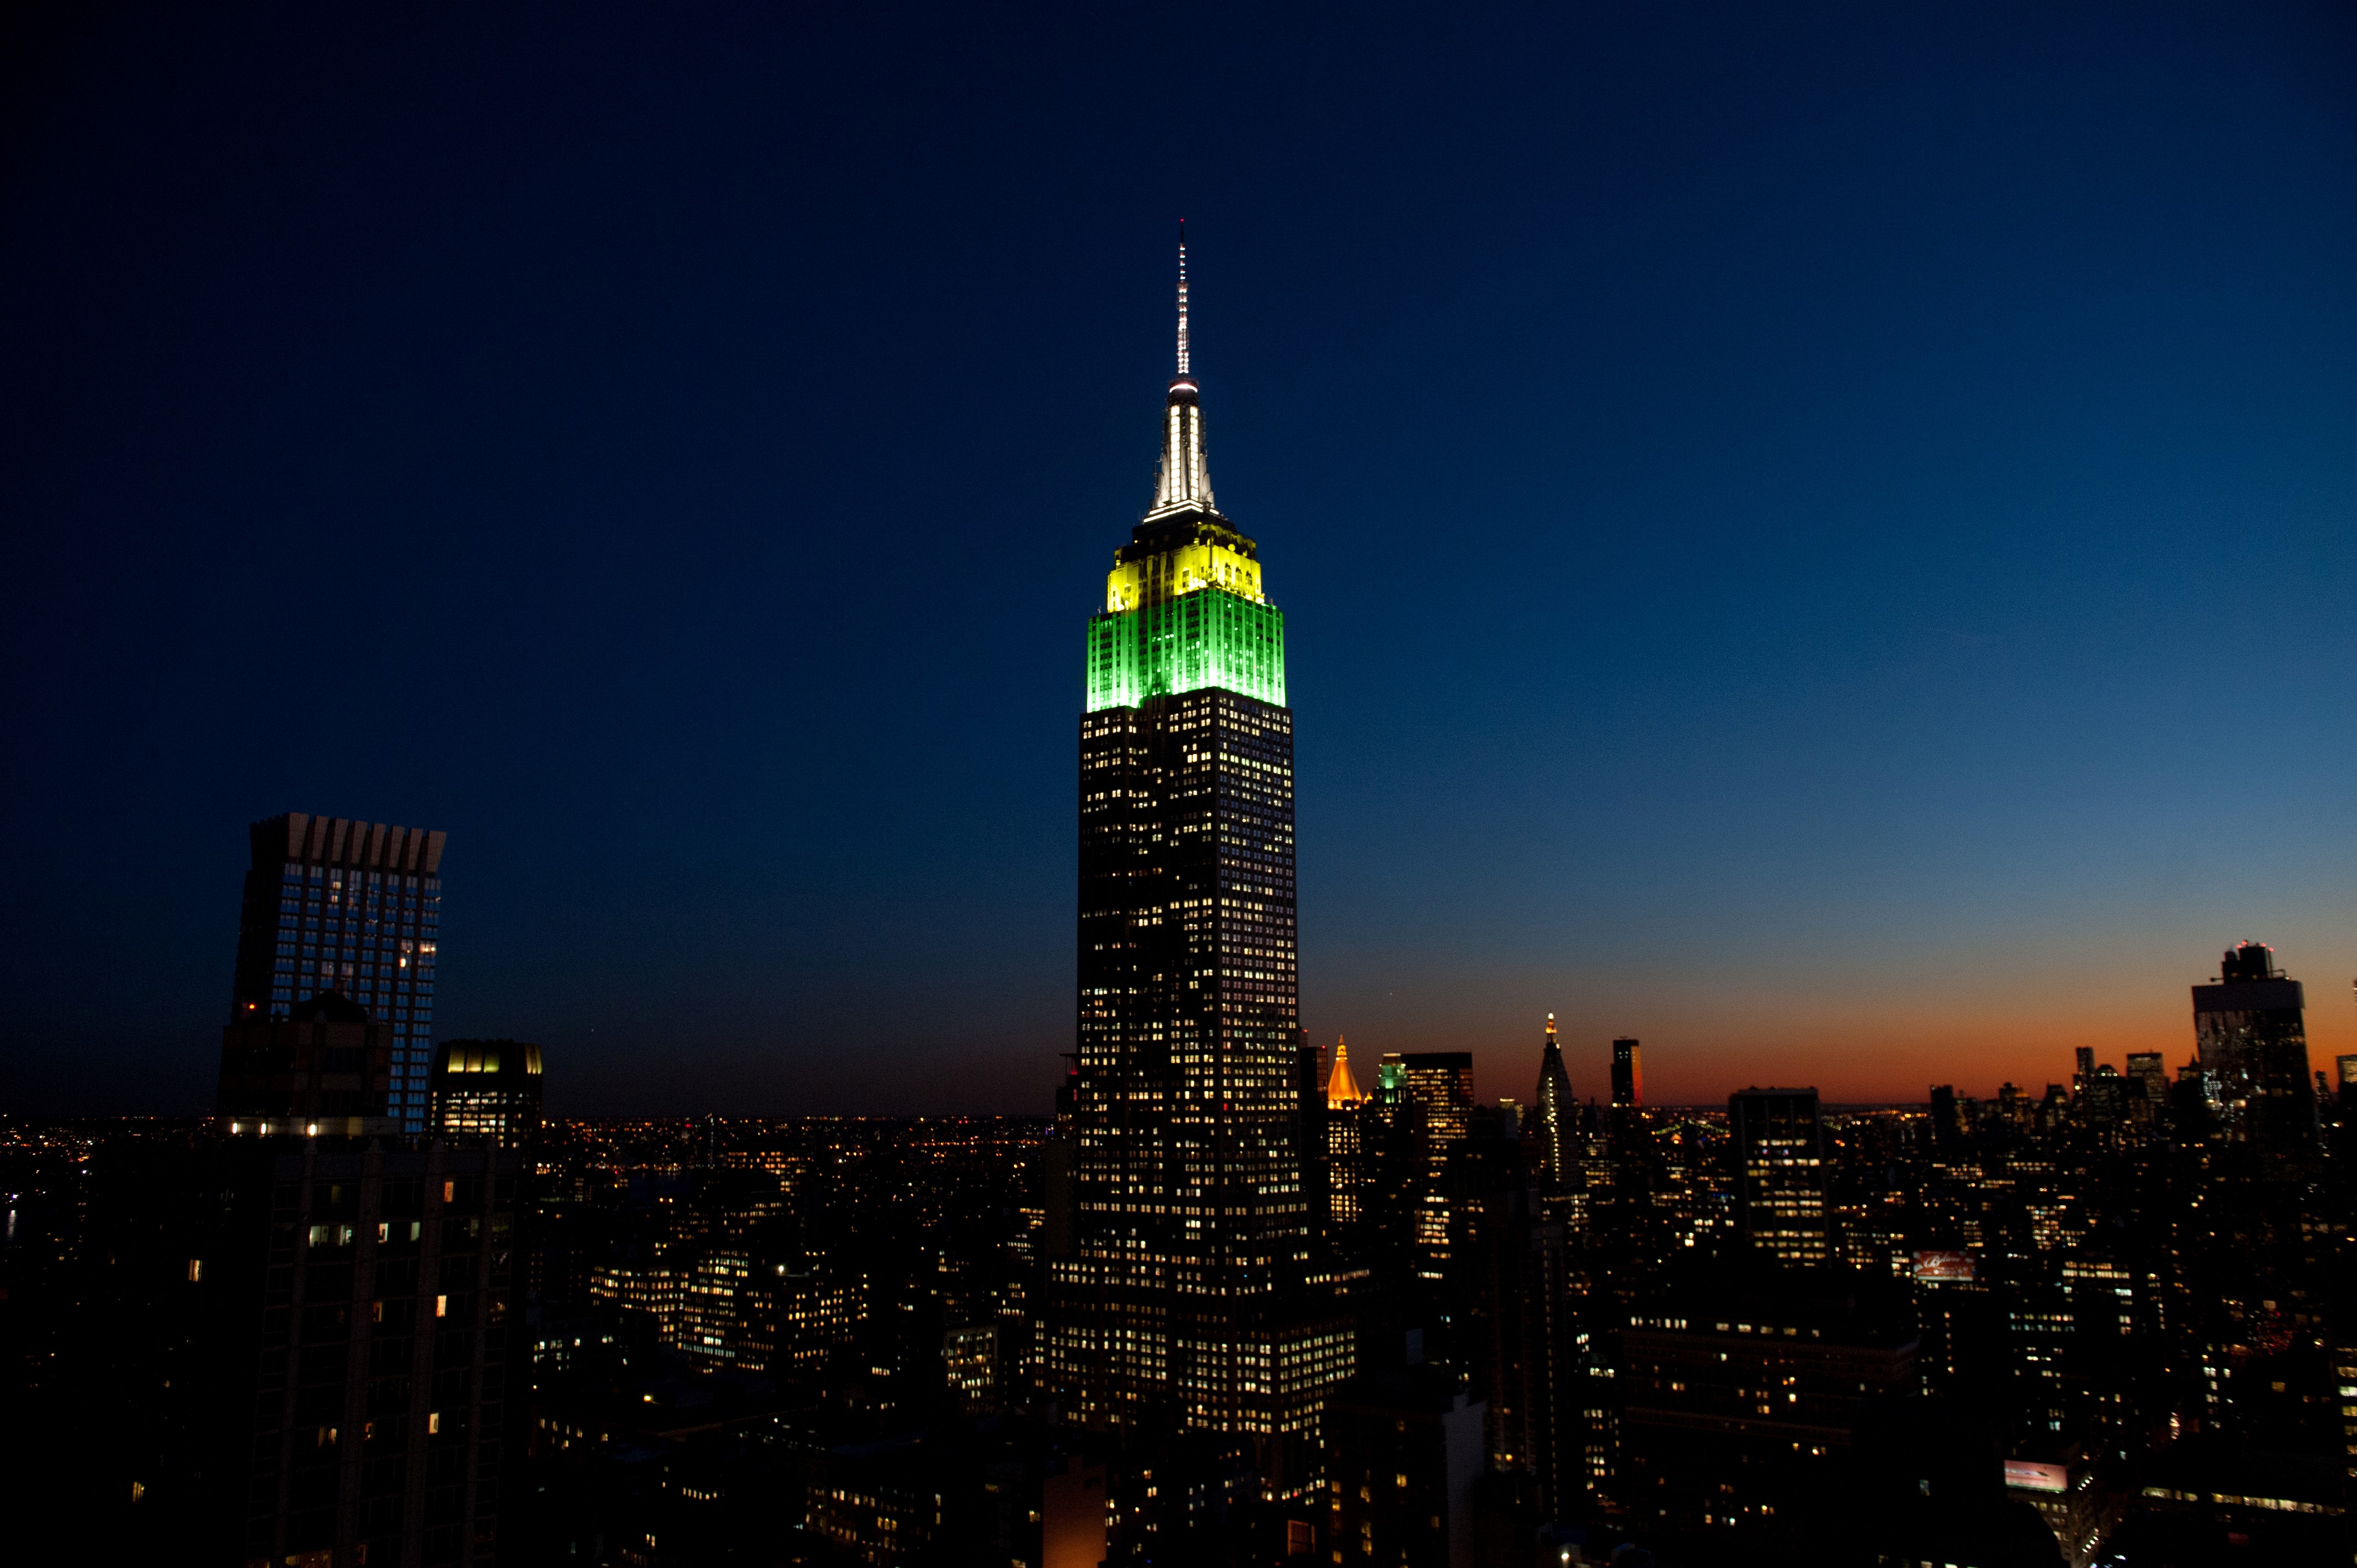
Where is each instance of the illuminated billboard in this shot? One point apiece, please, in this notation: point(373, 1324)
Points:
point(1935, 1267)
point(2029, 1475)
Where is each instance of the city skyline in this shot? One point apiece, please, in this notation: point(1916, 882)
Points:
point(1805, 499)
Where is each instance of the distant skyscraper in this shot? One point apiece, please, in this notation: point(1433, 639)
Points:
point(2151, 1077)
point(355, 909)
point(2251, 1030)
point(1191, 1228)
point(1780, 1153)
point(1346, 1143)
point(1552, 1114)
point(1437, 1090)
point(1439, 1087)
point(2347, 1080)
point(1628, 1076)
point(1624, 1126)
point(488, 1089)
point(1342, 1089)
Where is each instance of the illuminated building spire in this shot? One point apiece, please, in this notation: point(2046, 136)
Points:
point(1553, 1103)
point(1182, 296)
point(1186, 480)
point(1342, 1089)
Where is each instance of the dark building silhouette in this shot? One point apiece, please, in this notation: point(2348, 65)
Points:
point(333, 905)
point(1404, 1450)
point(352, 1308)
point(1744, 1394)
point(1780, 1155)
point(1625, 1124)
point(1184, 1300)
point(2249, 1029)
point(1510, 1317)
point(487, 1088)
point(322, 1069)
point(1628, 1076)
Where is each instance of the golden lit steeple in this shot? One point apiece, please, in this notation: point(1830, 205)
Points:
point(1342, 1089)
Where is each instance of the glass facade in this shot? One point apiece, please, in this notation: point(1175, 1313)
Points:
point(347, 907)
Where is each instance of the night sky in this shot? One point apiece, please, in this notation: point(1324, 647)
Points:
point(1825, 538)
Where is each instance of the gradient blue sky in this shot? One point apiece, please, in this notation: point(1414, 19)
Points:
point(1824, 537)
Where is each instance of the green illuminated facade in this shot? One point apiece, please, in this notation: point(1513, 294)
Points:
point(1210, 637)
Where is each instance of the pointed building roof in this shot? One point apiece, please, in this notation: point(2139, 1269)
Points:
point(1185, 482)
point(1342, 1089)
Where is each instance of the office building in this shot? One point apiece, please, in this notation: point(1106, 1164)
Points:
point(1780, 1152)
point(487, 1088)
point(1554, 1109)
point(1440, 1090)
point(333, 905)
point(1437, 1099)
point(1183, 1300)
point(2249, 1026)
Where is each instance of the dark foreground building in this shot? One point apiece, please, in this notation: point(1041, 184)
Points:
point(1184, 1299)
point(347, 1398)
point(1747, 1390)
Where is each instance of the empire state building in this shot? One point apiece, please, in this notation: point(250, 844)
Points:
point(1185, 1297)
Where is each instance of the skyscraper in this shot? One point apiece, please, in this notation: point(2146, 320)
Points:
point(1552, 1117)
point(2250, 1028)
point(1628, 1076)
point(1183, 1298)
point(1779, 1151)
point(355, 909)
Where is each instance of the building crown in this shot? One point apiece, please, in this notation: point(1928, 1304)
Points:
point(1342, 1090)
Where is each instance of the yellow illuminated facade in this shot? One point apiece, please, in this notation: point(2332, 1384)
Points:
point(1216, 558)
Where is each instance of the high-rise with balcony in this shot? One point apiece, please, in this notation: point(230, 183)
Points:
point(1185, 1299)
point(353, 907)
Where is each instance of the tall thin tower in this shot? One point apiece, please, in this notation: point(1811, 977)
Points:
point(1183, 1300)
point(1553, 1114)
